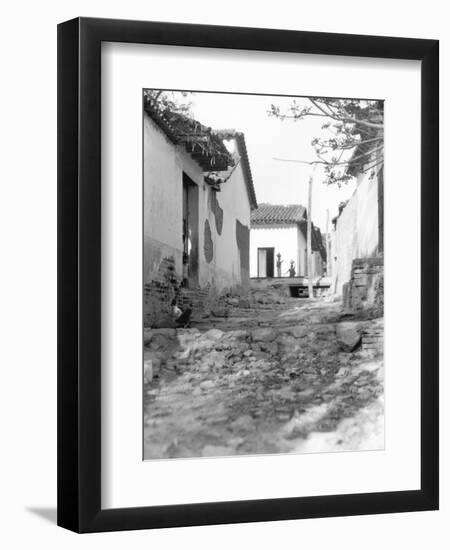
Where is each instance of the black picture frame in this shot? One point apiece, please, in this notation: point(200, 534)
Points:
point(79, 274)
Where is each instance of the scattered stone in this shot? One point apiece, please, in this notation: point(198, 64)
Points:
point(220, 312)
point(324, 331)
point(343, 371)
point(298, 331)
point(148, 371)
point(167, 332)
point(244, 303)
point(238, 335)
point(370, 366)
point(244, 422)
point(305, 393)
point(147, 336)
point(271, 347)
point(348, 336)
point(313, 319)
point(214, 334)
point(219, 419)
point(263, 335)
point(207, 385)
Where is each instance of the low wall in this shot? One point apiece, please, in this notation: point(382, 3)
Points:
point(290, 286)
point(365, 290)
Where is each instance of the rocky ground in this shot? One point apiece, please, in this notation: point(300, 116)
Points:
point(283, 377)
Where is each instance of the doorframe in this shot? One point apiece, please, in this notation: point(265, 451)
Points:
point(257, 261)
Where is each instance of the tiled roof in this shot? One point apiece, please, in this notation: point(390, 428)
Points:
point(275, 214)
point(231, 133)
point(242, 148)
point(215, 157)
point(200, 141)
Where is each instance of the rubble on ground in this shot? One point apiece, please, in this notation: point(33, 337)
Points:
point(261, 380)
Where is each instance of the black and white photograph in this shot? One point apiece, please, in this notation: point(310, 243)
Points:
point(220, 327)
point(263, 274)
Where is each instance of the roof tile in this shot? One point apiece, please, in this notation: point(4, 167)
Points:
point(274, 214)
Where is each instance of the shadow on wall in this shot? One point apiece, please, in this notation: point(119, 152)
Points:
point(243, 242)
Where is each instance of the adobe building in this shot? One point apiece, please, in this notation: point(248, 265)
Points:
point(278, 234)
point(198, 196)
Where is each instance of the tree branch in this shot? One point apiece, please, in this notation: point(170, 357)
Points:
point(342, 118)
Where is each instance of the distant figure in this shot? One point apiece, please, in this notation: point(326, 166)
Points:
point(292, 269)
point(182, 318)
point(279, 262)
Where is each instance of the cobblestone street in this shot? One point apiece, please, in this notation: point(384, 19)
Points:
point(278, 378)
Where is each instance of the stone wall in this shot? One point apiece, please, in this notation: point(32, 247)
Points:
point(365, 290)
point(372, 338)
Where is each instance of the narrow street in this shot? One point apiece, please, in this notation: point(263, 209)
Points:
point(289, 376)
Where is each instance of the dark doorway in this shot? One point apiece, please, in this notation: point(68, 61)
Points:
point(266, 262)
point(190, 232)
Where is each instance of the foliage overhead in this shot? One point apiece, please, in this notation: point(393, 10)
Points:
point(166, 102)
point(352, 139)
point(174, 110)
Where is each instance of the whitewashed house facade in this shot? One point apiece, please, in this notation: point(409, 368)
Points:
point(282, 229)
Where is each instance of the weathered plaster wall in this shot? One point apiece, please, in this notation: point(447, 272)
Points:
point(356, 234)
point(162, 201)
point(164, 165)
point(222, 210)
point(317, 264)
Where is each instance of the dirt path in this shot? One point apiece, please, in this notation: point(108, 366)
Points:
point(261, 381)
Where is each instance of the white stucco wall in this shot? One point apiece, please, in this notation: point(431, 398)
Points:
point(290, 242)
point(163, 183)
point(283, 238)
point(356, 234)
point(164, 164)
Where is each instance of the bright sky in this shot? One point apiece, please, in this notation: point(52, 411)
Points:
point(268, 137)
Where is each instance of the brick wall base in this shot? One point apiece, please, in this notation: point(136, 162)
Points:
point(163, 288)
point(365, 290)
point(372, 339)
